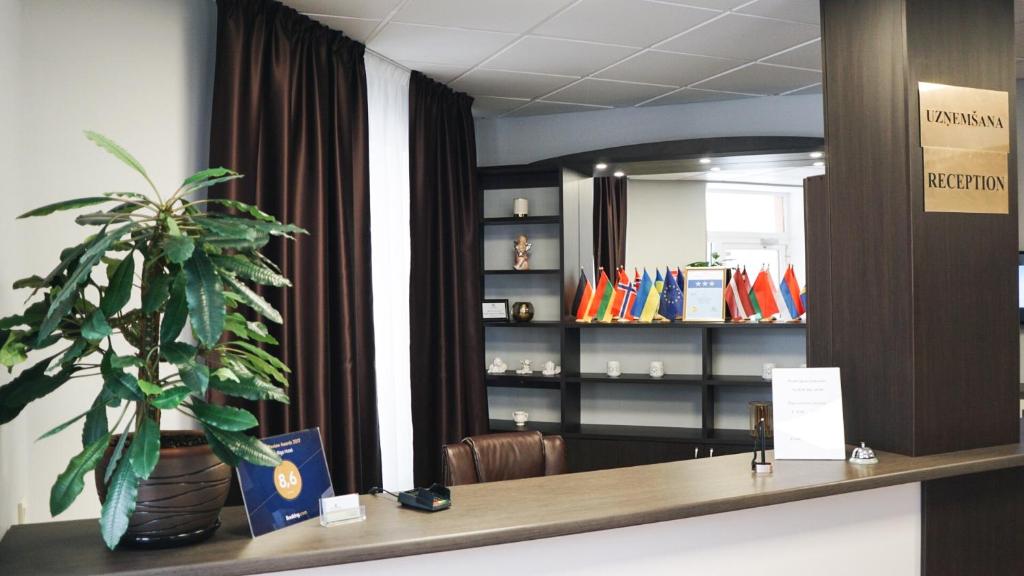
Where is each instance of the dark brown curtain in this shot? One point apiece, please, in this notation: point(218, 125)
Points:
point(289, 112)
point(610, 223)
point(449, 400)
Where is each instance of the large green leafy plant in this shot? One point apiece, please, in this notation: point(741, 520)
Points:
point(189, 267)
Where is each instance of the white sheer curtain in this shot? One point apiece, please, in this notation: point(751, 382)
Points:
point(387, 95)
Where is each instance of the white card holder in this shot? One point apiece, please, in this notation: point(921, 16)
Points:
point(335, 510)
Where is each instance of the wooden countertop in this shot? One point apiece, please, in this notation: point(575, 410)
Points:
point(487, 514)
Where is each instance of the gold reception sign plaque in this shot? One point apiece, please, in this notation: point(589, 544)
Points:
point(965, 136)
point(965, 181)
point(969, 118)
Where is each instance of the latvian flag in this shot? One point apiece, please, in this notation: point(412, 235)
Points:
point(733, 299)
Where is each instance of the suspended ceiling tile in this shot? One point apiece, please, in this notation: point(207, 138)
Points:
point(490, 106)
point(668, 68)
point(713, 4)
point(509, 84)
point(556, 56)
point(437, 45)
point(741, 37)
point(540, 108)
point(373, 9)
point(440, 72)
point(607, 93)
point(814, 89)
point(806, 11)
point(497, 15)
point(808, 56)
point(762, 79)
point(628, 22)
point(358, 29)
point(692, 96)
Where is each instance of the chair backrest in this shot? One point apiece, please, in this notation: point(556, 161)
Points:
point(502, 456)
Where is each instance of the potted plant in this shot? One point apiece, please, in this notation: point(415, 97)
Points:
point(168, 264)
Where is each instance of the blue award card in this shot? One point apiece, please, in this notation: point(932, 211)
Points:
point(290, 493)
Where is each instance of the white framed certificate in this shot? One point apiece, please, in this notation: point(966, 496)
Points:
point(704, 295)
point(807, 409)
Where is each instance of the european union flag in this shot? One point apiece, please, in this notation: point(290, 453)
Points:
point(671, 298)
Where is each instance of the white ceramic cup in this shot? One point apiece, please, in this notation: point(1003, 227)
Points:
point(614, 368)
point(766, 370)
point(657, 369)
point(520, 417)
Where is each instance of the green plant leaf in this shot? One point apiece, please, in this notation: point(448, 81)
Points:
point(117, 151)
point(61, 303)
point(149, 388)
point(65, 205)
point(30, 282)
point(119, 504)
point(205, 295)
point(246, 208)
point(62, 427)
point(32, 384)
point(223, 417)
point(13, 352)
point(221, 451)
point(256, 365)
point(70, 482)
point(264, 355)
point(117, 382)
point(119, 291)
point(195, 376)
point(96, 327)
point(172, 225)
point(241, 446)
point(248, 387)
point(170, 399)
point(196, 186)
point(207, 174)
point(115, 456)
point(179, 248)
point(176, 313)
point(95, 422)
point(254, 300)
point(156, 293)
point(178, 353)
point(125, 361)
point(250, 270)
point(75, 352)
point(144, 451)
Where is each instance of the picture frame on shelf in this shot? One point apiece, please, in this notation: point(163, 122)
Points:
point(494, 311)
point(704, 295)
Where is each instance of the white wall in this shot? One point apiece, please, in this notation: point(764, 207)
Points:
point(666, 224)
point(139, 72)
point(524, 140)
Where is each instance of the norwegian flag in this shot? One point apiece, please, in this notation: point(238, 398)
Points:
point(625, 311)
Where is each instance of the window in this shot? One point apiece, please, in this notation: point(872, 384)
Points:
point(755, 225)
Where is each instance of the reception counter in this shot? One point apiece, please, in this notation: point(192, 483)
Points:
point(524, 511)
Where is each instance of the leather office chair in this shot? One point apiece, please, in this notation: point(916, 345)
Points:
point(502, 456)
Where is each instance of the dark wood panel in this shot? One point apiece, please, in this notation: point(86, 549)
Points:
point(965, 265)
point(481, 515)
point(973, 524)
point(503, 177)
point(817, 226)
point(921, 305)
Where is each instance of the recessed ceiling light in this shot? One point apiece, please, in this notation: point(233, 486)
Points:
point(819, 163)
point(816, 154)
point(619, 174)
point(705, 160)
point(715, 168)
point(600, 165)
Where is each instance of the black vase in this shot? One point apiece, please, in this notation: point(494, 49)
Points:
point(522, 311)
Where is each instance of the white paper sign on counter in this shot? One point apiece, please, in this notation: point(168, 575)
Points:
point(807, 409)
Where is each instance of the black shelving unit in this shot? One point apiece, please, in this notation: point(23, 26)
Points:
point(595, 446)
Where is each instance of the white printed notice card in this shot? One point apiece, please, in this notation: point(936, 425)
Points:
point(807, 409)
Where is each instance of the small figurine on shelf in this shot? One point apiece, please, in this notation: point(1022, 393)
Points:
point(522, 249)
point(497, 367)
point(526, 369)
point(550, 369)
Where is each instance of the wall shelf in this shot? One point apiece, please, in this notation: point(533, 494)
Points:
point(512, 220)
point(545, 428)
point(537, 380)
point(571, 323)
point(531, 324)
point(511, 272)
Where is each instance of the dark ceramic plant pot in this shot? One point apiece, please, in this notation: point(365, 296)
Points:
point(181, 500)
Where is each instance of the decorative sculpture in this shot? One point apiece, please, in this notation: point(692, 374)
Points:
point(526, 368)
point(522, 250)
point(497, 367)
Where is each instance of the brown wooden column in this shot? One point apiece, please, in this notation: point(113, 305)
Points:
point(919, 309)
